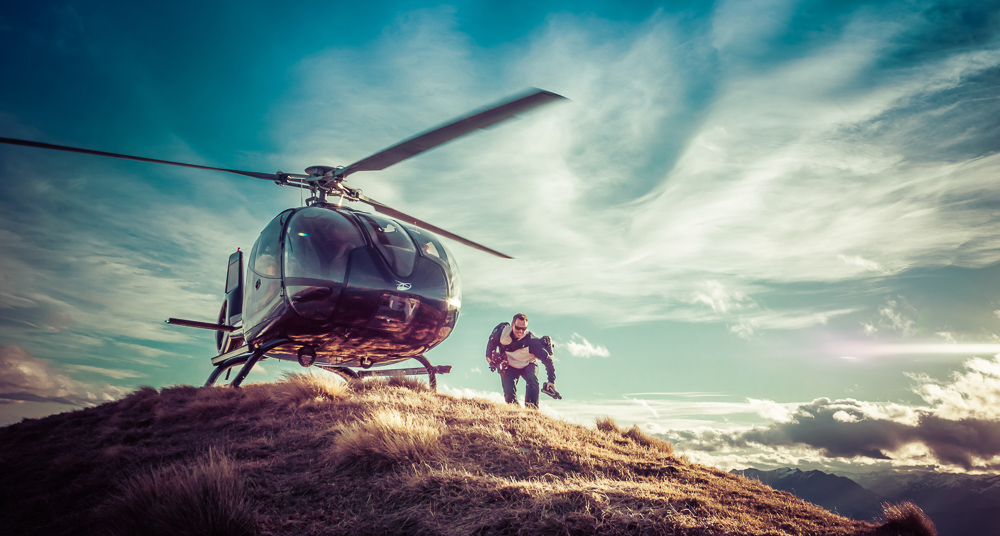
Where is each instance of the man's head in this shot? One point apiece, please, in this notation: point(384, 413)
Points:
point(519, 326)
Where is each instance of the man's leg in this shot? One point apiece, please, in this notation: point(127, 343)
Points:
point(530, 375)
point(508, 377)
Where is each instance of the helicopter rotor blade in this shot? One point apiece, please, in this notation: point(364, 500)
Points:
point(389, 211)
point(443, 134)
point(254, 174)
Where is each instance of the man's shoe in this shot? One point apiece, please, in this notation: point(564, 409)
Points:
point(551, 391)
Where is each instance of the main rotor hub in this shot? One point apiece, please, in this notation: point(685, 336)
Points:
point(319, 171)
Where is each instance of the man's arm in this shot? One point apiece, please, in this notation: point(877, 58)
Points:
point(537, 349)
point(550, 369)
point(493, 357)
point(494, 341)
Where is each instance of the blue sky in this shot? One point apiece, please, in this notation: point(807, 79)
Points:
point(766, 230)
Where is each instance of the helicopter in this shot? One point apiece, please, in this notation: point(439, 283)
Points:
point(332, 286)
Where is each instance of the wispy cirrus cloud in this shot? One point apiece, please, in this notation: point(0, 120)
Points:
point(112, 272)
point(682, 186)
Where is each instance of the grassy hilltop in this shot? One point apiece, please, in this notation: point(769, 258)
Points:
point(312, 455)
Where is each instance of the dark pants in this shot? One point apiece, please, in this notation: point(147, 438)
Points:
point(508, 378)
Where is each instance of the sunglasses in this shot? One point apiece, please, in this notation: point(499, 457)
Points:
point(520, 328)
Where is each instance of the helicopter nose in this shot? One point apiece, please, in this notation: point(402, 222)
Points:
point(314, 302)
point(312, 294)
point(394, 312)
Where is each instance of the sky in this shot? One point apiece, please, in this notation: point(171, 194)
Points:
point(766, 231)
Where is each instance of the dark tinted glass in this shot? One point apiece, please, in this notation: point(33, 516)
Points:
point(392, 241)
point(264, 260)
point(318, 243)
point(233, 277)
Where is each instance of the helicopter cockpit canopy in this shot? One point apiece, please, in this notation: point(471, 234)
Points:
point(318, 243)
point(431, 248)
point(392, 241)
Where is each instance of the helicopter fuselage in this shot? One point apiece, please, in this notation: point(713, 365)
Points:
point(349, 287)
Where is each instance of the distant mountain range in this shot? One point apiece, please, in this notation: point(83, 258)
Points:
point(959, 504)
point(835, 493)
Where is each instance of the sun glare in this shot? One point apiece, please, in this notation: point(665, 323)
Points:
point(854, 351)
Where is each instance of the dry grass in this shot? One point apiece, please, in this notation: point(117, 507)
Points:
point(205, 497)
point(379, 457)
point(905, 519)
point(385, 439)
point(298, 389)
point(608, 425)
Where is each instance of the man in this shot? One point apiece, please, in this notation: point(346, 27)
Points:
point(515, 351)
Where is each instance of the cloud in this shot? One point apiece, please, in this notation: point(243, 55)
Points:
point(864, 264)
point(95, 276)
point(739, 26)
point(581, 347)
point(899, 316)
point(722, 301)
point(788, 319)
point(699, 166)
point(465, 392)
point(704, 170)
point(25, 378)
point(117, 374)
point(664, 413)
point(676, 186)
point(771, 410)
point(960, 428)
point(973, 394)
point(744, 330)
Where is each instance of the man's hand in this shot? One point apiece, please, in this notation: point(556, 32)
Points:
point(495, 361)
point(548, 386)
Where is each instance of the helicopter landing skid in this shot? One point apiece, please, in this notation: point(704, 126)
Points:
point(430, 370)
point(247, 359)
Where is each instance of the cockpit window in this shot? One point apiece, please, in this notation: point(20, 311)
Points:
point(428, 244)
point(265, 255)
point(392, 241)
point(318, 243)
point(455, 290)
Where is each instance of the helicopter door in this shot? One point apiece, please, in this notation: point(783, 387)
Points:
point(263, 293)
point(232, 309)
point(234, 289)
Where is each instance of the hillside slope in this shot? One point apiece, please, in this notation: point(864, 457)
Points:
point(310, 455)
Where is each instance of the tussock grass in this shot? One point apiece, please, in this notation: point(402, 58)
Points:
point(377, 457)
point(646, 440)
point(142, 399)
point(385, 439)
point(408, 382)
point(300, 389)
point(905, 519)
point(608, 425)
point(205, 497)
